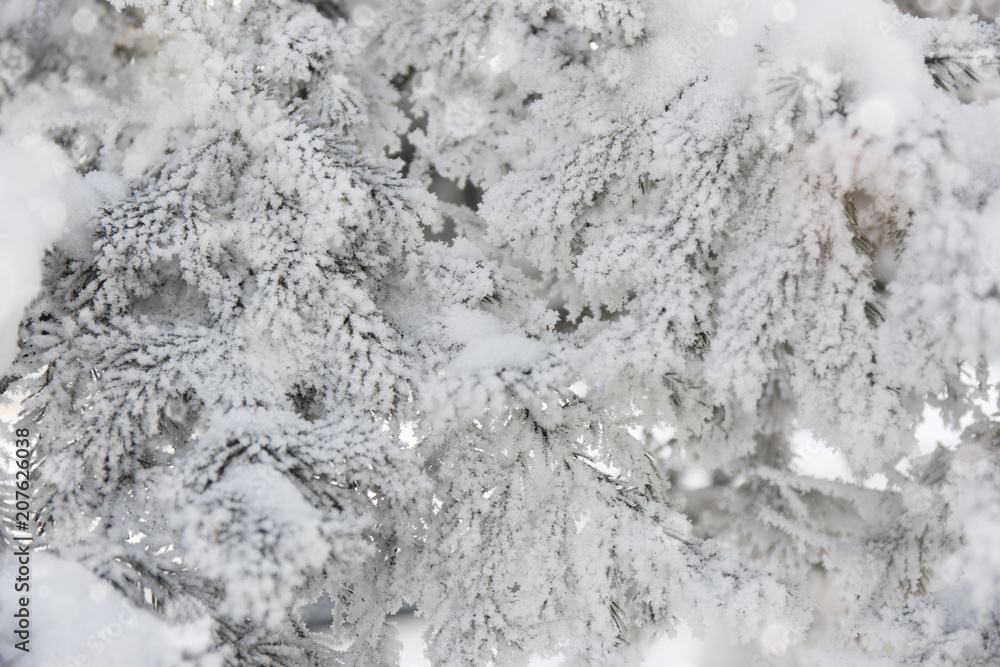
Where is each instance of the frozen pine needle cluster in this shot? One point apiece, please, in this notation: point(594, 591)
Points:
point(533, 316)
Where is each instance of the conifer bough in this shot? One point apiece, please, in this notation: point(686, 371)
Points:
point(532, 316)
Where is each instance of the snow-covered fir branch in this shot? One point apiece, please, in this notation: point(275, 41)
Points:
point(442, 305)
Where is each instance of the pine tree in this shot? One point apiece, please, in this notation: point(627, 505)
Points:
point(445, 303)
